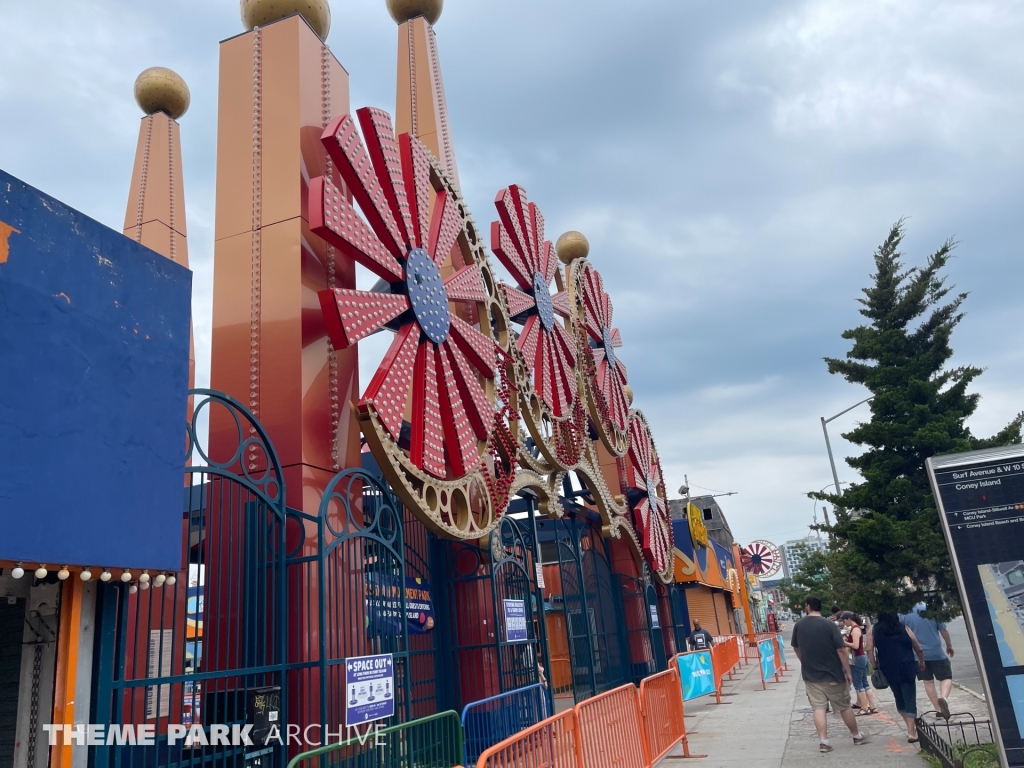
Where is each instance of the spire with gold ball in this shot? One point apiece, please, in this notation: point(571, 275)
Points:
point(155, 214)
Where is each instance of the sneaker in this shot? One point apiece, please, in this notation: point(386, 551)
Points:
point(944, 708)
point(824, 747)
point(865, 738)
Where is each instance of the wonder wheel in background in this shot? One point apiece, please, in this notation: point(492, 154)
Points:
point(429, 409)
point(761, 558)
point(607, 397)
point(645, 492)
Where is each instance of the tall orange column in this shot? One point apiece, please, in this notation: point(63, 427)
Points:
point(279, 86)
point(155, 214)
point(420, 105)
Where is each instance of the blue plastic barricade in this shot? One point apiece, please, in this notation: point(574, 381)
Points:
point(490, 721)
point(696, 674)
point(766, 649)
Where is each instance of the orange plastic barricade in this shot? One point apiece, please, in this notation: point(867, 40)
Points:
point(561, 677)
point(551, 743)
point(608, 725)
point(661, 707)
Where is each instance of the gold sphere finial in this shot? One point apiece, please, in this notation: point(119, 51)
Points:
point(159, 89)
point(572, 245)
point(629, 393)
point(259, 13)
point(403, 10)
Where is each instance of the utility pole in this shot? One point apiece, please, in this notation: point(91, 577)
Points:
point(828, 445)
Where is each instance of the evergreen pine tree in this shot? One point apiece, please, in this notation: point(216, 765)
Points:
point(887, 529)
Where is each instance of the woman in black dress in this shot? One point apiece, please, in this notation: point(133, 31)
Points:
point(892, 647)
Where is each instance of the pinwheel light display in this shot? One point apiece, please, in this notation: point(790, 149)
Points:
point(761, 558)
point(608, 402)
point(430, 403)
point(549, 352)
point(645, 491)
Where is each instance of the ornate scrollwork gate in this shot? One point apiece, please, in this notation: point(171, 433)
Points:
point(493, 618)
point(189, 650)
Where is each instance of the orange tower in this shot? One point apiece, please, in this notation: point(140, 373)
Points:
point(155, 215)
point(279, 86)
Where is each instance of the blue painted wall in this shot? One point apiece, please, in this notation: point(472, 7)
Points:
point(94, 337)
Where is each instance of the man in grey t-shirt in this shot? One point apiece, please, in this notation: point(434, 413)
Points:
point(931, 634)
point(825, 668)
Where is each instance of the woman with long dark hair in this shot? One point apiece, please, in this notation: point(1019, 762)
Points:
point(859, 668)
point(893, 647)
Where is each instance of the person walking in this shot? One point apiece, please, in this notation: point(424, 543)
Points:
point(825, 668)
point(701, 639)
point(855, 642)
point(892, 647)
point(936, 662)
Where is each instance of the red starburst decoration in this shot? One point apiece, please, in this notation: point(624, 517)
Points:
point(761, 558)
point(430, 378)
point(646, 494)
point(611, 375)
point(518, 242)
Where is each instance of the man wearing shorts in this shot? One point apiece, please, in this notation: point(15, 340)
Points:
point(825, 668)
point(930, 634)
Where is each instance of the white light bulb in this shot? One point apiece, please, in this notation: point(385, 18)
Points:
point(18, 571)
point(85, 575)
point(144, 585)
point(144, 577)
point(132, 589)
point(126, 576)
point(105, 576)
point(63, 573)
point(171, 579)
point(41, 572)
point(159, 580)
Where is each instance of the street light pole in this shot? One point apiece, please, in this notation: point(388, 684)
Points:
point(828, 445)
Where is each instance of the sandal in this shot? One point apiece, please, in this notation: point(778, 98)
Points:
point(914, 740)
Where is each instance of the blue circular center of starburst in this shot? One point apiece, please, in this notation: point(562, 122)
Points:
point(545, 308)
point(609, 350)
point(427, 295)
point(652, 492)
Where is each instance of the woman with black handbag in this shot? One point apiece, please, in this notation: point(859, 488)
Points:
point(892, 648)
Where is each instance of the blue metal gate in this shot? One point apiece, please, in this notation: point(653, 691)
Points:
point(492, 616)
point(189, 652)
point(593, 608)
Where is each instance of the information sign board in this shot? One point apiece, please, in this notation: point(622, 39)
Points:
point(515, 621)
point(655, 621)
point(369, 688)
point(980, 498)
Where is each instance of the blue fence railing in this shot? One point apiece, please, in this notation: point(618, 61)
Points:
point(489, 721)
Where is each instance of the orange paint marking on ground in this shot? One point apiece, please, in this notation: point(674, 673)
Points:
point(6, 230)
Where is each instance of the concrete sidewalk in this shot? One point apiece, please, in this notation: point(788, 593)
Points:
point(773, 728)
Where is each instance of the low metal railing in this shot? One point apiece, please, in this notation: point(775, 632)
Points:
point(430, 742)
point(962, 741)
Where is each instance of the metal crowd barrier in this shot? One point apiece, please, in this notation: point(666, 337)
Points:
point(430, 742)
point(661, 707)
point(608, 725)
point(552, 743)
point(725, 657)
point(494, 719)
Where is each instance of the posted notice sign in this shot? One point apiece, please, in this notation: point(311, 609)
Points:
point(370, 688)
point(515, 621)
point(980, 497)
point(655, 621)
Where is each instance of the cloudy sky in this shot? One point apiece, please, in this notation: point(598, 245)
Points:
point(734, 166)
